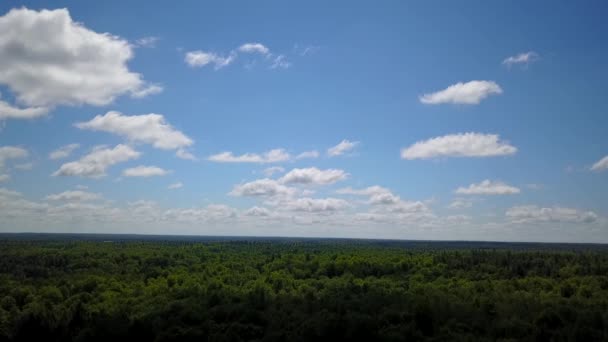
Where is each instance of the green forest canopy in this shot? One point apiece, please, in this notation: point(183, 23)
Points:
point(300, 290)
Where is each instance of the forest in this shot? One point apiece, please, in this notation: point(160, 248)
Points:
point(104, 289)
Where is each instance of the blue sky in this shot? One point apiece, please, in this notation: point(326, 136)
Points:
point(480, 121)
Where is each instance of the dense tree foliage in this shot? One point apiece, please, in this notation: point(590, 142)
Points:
point(298, 290)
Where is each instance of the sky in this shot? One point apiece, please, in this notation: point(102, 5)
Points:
point(400, 119)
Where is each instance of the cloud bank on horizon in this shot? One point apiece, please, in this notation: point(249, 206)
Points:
point(285, 131)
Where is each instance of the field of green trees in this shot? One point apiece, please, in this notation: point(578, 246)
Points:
point(299, 290)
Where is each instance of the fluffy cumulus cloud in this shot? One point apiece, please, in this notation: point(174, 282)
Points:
point(257, 212)
point(376, 194)
point(272, 156)
point(488, 187)
point(283, 198)
point(8, 111)
point(48, 59)
point(254, 48)
point(313, 176)
point(11, 152)
point(524, 58)
point(7, 193)
point(74, 196)
point(146, 128)
point(405, 207)
point(96, 163)
point(326, 216)
point(343, 147)
point(600, 165)
point(63, 152)
point(385, 201)
point(262, 188)
point(4, 177)
point(459, 145)
point(536, 214)
point(144, 171)
point(463, 93)
point(313, 205)
point(13, 205)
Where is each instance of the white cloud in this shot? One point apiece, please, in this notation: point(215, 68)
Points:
point(600, 165)
point(200, 58)
point(369, 191)
point(488, 187)
point(6, 193)
point(47, 59)
point(463, 93)
point(376, 194)
point(262, 188)
point(254, 48)
point(8, 111)
point(405, 207)
point(460, 203)
point(535, 214)
point(74, 196)
point(385, 200)
point(258, 212)
point(281, 62)
point(522, 58)
point(343, 147)
point(177, 185)
point(12, 205)
point(268, 172)
point(306, 49)
point(459, 145)
point(144, 171)
point(308, 154)
point(313, 205)
point(272, 156)
point(456, 219)
point(95, 164)
point(210, 213)
point(152, 89)
point(147, 128)
point(307, 192)
point(313, 175)
point(63, 152)
point(183, 154)
point(147, 42)
point(11, 152)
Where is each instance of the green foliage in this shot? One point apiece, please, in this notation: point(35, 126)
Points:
point(298, 291)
